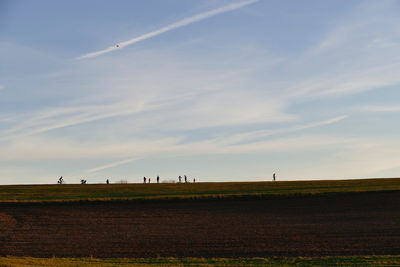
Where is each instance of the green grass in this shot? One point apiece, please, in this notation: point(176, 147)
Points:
point(44, 193)
point(322, 261)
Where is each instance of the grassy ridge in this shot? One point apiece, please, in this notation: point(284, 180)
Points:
point(43, 193)
point(323, 261)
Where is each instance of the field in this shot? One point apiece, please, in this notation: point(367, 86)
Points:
point(51, 193)
point(222, 221)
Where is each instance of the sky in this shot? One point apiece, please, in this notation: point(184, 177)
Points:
point(218, 90)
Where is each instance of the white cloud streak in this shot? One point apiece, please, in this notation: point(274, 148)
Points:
point(47, 120)
point(266, 133)
point(225, 145)
point(111, 165)
point(40, 148)
point(170, 27)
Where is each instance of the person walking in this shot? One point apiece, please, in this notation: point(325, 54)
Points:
point(158, 179)
point(107, 181)
point(144, 179)
point(180, 178)
point(274, 177)
point(185, 179)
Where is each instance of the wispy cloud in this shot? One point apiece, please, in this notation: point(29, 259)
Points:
point(226, 145)
point(375, 108)
point(340, 83)
point(111, 165)
point(45, 148)
point(266, 133)
point(356, 55)
point(52, 119)
point(170, 27)
point(181, 97)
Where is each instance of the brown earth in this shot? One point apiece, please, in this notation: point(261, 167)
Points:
point(333, 224)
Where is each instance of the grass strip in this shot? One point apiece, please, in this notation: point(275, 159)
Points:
point(387, 260)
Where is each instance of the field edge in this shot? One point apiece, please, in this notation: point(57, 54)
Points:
point(373, 260)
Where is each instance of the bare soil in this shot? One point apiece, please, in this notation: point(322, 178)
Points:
point(320, 225)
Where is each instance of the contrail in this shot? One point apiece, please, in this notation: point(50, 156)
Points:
point(265, 133)
point(170, 27)
point(111, 165)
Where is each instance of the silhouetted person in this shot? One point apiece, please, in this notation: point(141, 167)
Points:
point(144, 179)
point(180, 178)
point(107, 182)
point(194, 180)
point(149, 180)
point(185, 179)
point(274, 177)
point(60, 180)
point(158, 179)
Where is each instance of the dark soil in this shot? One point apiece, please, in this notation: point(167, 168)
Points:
point(321, 225)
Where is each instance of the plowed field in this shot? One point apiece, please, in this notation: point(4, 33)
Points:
point(311, 225)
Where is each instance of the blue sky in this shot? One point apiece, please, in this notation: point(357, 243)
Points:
point(217, 90)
